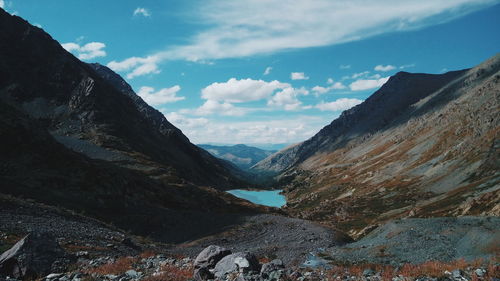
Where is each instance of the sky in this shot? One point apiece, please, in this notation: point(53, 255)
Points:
point(265, 71)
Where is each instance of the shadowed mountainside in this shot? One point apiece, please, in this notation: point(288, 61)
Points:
point(423, 145)
point(84, 106)
point(72, 137)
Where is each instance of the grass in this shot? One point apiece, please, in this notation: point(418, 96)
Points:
point(117, 267)
point(430, 268)
point(172, 273)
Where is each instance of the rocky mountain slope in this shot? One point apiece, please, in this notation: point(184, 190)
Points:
point(87, 107)
point(240, 155)
point(72, 137)
point(423, 145)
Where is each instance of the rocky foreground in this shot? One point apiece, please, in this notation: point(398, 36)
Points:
point(39, 257)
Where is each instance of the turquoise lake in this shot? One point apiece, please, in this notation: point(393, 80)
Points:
point(271, 198)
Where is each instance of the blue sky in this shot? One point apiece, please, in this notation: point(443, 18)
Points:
point(274, 71)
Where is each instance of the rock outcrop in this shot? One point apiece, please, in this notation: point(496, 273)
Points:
point(35, 255)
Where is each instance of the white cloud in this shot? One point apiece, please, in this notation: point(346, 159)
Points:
point(360, 74)
point(338, 105)
point(2, 4)
point(407, 66)
point(345, 66)
point(184, 122)
point(165, 95)
point(287, 98)
point(86, 52)
point(298, 76)
point(244, 90)
point(268, 70)
point(329, 81)
point(142, 12)
point(273, 130)
point(141, 66)
point(384, 68)
point(333, 86)
point(245, 28)
point(211, 107)
point(365, 84)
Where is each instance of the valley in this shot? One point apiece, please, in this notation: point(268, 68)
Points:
point(97, 184)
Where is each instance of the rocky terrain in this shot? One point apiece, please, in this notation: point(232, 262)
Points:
point(240, 155)
point(90, 104)
point(97, 185)
point(75, 135)
point(421, 146)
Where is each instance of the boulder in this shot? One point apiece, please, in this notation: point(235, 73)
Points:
point(238, 262)
point(210, 256)
point(202, 274)
point(270, 267)
point(32, 256)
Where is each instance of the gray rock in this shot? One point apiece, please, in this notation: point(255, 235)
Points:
point(133, 274)
point(32, 256)
point(480, 272)
point(270, 267)
point(210, 256)
point(238, 262)
point(53, 276)
point(368, 272)
point(202, 274)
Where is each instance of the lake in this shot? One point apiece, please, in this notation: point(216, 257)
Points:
point(271, 198)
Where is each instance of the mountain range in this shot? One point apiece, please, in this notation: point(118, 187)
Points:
point(76, 135)
point(423, 145)
point(240, 155)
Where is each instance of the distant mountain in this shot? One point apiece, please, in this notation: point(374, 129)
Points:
point(422, 145)
point(75, 135)
point(240, 155)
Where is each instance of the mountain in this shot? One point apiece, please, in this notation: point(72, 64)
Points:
point(85, 106)
point(423, 145)
point(75, 135)
point(240, 155)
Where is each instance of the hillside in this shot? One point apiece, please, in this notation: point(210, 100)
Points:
point(71, 137)
point(84, 106)
point(423, 145)
point(240, 155)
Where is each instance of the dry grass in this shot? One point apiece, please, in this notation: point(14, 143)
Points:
point(119, 266)
point(430, 268)
point(172, 273)
point(147, 254)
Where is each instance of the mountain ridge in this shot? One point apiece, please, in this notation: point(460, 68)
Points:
point(434, 154)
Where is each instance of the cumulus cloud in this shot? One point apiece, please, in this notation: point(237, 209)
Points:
point(244, 90)
point(183, 122)
point(211, 107)
point(273, 130)
point(142, 12)
point(2, 4)
point(141, 66)
point(384, 68)
point(246, 28)
point(345, 66)
point(287, 98)
point(86, 52)
point(333, 86)
point(365, 84)
point(165, 95)
point(268, 70)
point(298, 76)
point(338, 105)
